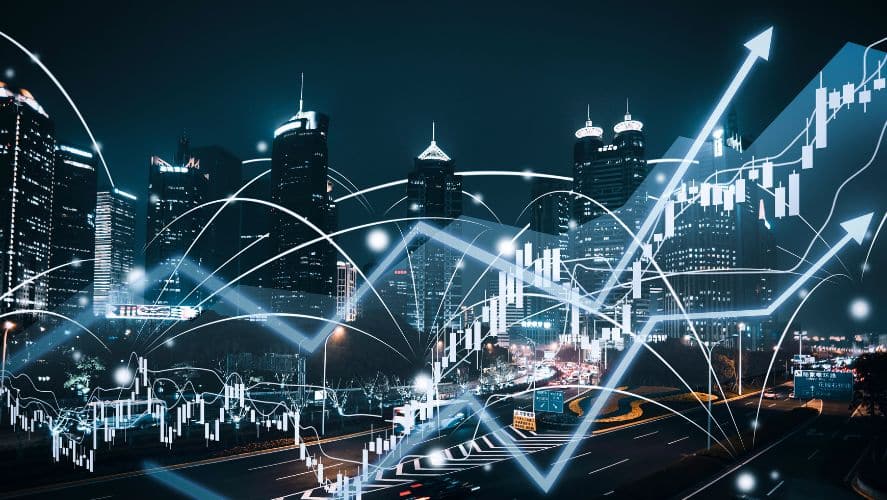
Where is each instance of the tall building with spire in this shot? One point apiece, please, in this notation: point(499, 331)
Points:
point(608, 174)
point(433, 190)
point(303, 279)
point(27, 147)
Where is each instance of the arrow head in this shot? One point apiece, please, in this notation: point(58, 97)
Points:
point(857, 227)
point(760, 45)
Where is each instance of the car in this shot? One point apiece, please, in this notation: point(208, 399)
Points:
point(791, 396)
point(770, 395)
point(442, 487)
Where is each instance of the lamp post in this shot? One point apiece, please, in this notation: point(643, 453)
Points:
point(338, 330)
point(711, 347)
point(741, 327)
point(7, 326)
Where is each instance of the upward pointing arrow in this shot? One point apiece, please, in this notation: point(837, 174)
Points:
point(759, 48)
point(857, 227)
point(760, 45)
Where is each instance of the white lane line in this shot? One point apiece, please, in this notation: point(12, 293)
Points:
point(775, 488)
point(679, 440)
point(771, 405)
point(274, 464)
point(813, 454)
point(608, 466)
point(571, 458)
point(306, 472)
point(645, 435)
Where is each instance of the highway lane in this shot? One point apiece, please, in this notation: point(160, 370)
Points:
point(607, 459)
point(815, 462)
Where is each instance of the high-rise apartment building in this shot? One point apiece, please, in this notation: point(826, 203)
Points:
point(115, 215)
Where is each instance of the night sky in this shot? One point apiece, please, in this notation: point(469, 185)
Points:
point(506, 82)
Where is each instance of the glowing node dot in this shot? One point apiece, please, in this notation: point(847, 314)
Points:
point(774, 475)
point(660, 177)
point(860, 309)
point(122, 376)
point(9, 73)
point(802, 293)
point(478, 198)
point(505, 247)
point(745, 482)
point(170, 343)
point(377, 240)
point(436, 458)
point(262, 147)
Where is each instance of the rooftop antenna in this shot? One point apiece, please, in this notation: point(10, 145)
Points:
point(301, 92)
point(627, 114)
point(432, 131)
point(588, 112)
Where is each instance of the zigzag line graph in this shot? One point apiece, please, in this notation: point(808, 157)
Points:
point(854, 228)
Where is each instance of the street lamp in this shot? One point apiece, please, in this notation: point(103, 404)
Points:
point(338, 331)
point(741, 327)
point(711, 346)
point(7, 326)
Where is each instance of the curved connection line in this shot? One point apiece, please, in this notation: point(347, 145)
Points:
point(865, 263)
point(479, 201)
point(203, 205)
point(75, 262)
point(469, 173)
point(776, 351)
point(57, 315)
point(64, 92)
point(284, 315)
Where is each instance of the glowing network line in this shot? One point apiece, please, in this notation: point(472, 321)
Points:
point(36, 60)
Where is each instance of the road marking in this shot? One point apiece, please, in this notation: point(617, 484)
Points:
point(775, 488)
point(609, 492)
point(814, 453)
point(679, 440)
point(608, 466)
point(571, 458)
point(771, 405)
point(274, 464)
point(306, 472)
point(756, 455)
point(645, 435)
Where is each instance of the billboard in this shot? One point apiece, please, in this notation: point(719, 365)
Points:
point(149, 311)
point(837, 386)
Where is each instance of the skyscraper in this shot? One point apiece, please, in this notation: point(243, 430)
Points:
point(27, 147)
point(220, 240)
point(173, 188)
point(299, 169)
point(609, 175)
point(115, 215)
point(73, 229)
point(346, 284)
point(433, 190)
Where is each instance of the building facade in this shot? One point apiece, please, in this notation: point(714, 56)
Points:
point(346, 286)
point(303, 279)
point(27, 149)
point(115, 216)
point(433, 190)
point(174, 188)
point(73, 230)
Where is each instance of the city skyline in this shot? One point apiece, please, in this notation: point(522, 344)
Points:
point(407, 251)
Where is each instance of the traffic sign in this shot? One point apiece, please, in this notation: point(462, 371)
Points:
point(550, 401)
point(836, 386)
point(524, 420)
